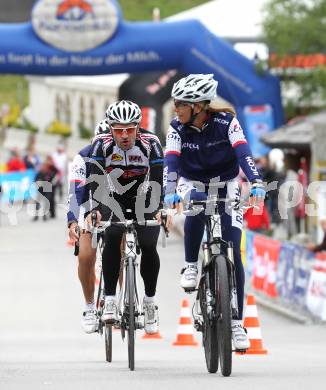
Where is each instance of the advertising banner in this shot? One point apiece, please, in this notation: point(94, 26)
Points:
point(293, 273)
point(259, 121)
point(84, 37)
point(266, 254)
point(17, 186)
point(303, 262)
point(249, 265)
point(285, 276)
point(316, 294)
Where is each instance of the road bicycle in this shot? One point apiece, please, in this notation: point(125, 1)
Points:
point(130, 312)
point(216, 300)
point(103, 328)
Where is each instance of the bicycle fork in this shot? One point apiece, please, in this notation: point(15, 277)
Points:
point(130, 260)
point(210, 301)
point(233, 282)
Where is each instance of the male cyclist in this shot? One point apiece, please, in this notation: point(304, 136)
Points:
point(206, 145)
point(78, 205)
point(131, 160)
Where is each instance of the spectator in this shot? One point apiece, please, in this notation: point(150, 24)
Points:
point(60, 162)
point(15, 162)
point(43, 194)
point(31, 159)
point(322, 246)
point(52, 176)
point(270, 175)
point(257, 220)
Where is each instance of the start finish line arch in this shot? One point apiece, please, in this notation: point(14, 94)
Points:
point(83, 37)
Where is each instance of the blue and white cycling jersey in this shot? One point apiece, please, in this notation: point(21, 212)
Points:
point(78, 189)
point(215, 152)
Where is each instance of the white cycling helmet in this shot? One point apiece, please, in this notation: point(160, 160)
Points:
point(101, 127)
point(123, 111)
point(195, 88)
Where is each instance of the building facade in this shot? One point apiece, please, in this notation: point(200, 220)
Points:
point(79, 102)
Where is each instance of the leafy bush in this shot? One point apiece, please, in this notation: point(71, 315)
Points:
point(84, 131)
point(23, 123)
point(12, 117)
point(59, 128)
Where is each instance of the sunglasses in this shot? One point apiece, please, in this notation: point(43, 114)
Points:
point(181, 104)
point(120, 130)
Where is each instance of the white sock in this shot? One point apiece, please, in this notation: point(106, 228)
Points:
point(90, 306)
point(192, 263)
point(109, 298)
point(149, 299)
point(236, 322)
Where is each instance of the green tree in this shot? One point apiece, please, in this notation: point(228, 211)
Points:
point(295, 27)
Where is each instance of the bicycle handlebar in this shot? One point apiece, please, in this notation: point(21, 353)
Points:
point(127, 223)
point(237, 203)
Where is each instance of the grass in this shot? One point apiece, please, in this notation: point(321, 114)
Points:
point(14, 88)
point(142, 9)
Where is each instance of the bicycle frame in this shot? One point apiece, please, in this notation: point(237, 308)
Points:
point(213, 246)
point(130, 259)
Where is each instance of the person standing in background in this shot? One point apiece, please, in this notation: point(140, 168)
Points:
point(52, 176)
point(15, 162)
point(31, 159)
point(60, 162)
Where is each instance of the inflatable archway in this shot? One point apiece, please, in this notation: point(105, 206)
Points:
point(74, 37)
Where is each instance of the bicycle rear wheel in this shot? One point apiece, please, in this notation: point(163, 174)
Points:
point(108, 342)
point(131, 314)
point(223, 306)
point(209, 326)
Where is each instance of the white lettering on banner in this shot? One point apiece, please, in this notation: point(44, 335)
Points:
point(23, 59)
point(40, 60)
point(75, 60)
point(86, 61)
point(75, 25)
point(142, 56)
point(58, 61)
point(114, 59)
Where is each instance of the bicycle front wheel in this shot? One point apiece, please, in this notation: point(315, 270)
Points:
point(223, 307)
point(209, 327)
point(108, 342)
point(131, 314)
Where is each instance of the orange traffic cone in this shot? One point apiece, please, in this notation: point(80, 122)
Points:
point(152, 336)
point(185, 335)
point(70, 242)
point(251, 323)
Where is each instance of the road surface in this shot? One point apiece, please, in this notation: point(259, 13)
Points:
point(43, 346)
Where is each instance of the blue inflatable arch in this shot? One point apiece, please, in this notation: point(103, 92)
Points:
point(35, 48)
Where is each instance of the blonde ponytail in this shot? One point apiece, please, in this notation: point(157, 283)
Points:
point(214, 107)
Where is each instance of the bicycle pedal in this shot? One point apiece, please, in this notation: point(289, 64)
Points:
point(190, 290)
point(241, 351)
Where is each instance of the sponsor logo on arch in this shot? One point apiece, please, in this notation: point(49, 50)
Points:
point(75, 25)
